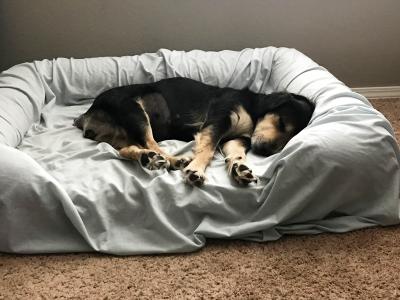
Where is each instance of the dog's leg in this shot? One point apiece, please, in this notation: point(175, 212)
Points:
point(174, 162)
point(148, 158)
point(153, 157)
point(235, 153)
point(149, 154)
point(205, 144)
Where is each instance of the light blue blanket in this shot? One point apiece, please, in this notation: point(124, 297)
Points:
point(62, 193)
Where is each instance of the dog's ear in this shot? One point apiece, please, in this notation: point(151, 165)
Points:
point(270, 102)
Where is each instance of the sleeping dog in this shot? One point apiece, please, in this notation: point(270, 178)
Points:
point(134, 118)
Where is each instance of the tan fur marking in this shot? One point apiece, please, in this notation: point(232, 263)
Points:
point(267, 128)
point(234, 151)
point(131, 152)
point(149, 139)
point(151, 143)
point(241, 123)
point(203, 151)
point(235, 159)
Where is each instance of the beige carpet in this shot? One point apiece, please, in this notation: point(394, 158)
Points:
point(359, 265)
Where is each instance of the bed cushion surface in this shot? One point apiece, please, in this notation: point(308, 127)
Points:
point(60, 192)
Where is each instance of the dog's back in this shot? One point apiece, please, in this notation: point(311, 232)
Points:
point(177, 107)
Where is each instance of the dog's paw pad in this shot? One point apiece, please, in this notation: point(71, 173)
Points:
point(242, 174)
point(153, 161)
point(181, 163)
point(194, 177)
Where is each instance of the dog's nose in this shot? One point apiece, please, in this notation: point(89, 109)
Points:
point(264, 149)
point(89, 134)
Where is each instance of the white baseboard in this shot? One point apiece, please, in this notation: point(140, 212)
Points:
point(379, 91)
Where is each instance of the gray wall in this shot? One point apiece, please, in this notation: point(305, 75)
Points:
point(357, 40)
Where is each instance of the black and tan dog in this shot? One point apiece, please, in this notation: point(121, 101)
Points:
point(134, 118)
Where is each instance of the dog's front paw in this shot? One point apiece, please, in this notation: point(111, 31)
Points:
point(179, 162)
point(153, 160)
point(242, 174)
point(194, 177)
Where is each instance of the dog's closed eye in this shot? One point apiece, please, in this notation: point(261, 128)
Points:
point(285, 125)
point(281, 125)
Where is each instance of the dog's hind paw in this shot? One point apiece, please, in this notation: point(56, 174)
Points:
point(242, 174)
point(194, 177)
point(153, 160)
point(179, 162)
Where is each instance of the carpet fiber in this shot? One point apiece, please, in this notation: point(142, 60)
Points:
point(363, 264)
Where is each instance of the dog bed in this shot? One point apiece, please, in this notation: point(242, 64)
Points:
point(60, 192)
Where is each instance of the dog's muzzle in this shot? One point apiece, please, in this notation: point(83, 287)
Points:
point(264, 148)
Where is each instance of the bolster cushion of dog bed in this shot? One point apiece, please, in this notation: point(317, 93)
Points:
point(60, 192)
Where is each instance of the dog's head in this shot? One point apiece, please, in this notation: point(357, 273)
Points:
point(280, 116)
